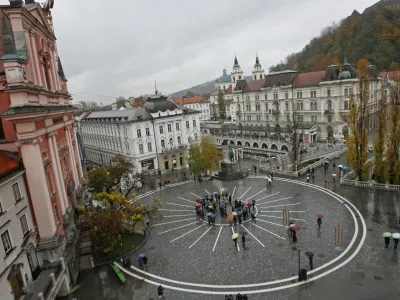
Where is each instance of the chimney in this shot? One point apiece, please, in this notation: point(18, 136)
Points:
point(16, 3)
point(114, 106)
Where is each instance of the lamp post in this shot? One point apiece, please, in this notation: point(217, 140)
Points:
point(122, 254)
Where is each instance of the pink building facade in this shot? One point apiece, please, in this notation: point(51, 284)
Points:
point(37, 119)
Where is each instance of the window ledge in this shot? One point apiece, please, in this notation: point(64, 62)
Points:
point(19, 200)
point(9, 252)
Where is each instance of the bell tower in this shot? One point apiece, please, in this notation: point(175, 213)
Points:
point(237, 73)
point(258, 71)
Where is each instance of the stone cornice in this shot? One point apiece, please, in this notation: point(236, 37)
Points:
point(36, 89)
point(68, 127)
point(52, 133)
point(33, 141)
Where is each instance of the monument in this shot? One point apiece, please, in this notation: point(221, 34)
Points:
point(229, 167)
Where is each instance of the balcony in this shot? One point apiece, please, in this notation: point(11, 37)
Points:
point(329, 111)
point(171, 149)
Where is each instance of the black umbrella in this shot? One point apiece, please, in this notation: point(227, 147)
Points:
point(309, 254)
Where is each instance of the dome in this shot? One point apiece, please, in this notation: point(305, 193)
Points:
point(344, 75)
point(161, 103)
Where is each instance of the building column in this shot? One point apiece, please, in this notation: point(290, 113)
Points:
point(36, 178)
point(31, 60)
point(71, 155)
point(54, 167)
point(78, 158)
point(64, 196)
point(36, 61)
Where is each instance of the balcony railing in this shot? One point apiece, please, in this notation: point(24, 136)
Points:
point(174, 148)
point(329, 111)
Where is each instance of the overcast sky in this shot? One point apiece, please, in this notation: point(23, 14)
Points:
point(120, 47)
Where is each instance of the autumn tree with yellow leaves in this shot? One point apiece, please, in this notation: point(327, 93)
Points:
point(357, 154)
point(380, 140)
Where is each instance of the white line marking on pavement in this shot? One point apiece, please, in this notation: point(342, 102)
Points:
point(277, 200)
point(233, 232)
point(200, 237)
point(260, 284)
point(253, 236)
point(234, 189)
point(160, 224)
point(277, 211)
point(216, 241)
point(277, 205)
point(177, 216)
point(271, 223)
point(268, 196)
point(207, 192)
point(177, 228)
point(179, 204)
point(256, 194)
point(186, 233)
point(196, 196)
point(186, 200)
point(268, 231)
point(176, 209)
point(245, 193)
point(279, 217)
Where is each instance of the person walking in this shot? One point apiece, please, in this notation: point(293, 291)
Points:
point(243, 241)
point(319, 222)
point(310, 261)
point(334, 180)
point(255, 169)
point(235, 240)
point(160, 292)
point(240, 219)
point(294, 236)
point(253, 217)
point(387, 241)
point(272, 177)
point(313, 177)
point(244, 297)
point(334, 166)
point(253, 202)
point(145, 260)
point(308, 178)
point(239, 297)
point(395, 241)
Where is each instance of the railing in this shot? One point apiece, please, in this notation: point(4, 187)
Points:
point(56, 279)
point(174, 148)
point(371, 185)
point(329, 111)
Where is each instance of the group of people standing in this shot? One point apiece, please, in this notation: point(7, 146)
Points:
point(238, 297)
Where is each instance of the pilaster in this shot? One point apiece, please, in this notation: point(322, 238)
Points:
point(56, 172)
point(64, 196)
point(75, 143)
point(36, 60)
point(71, 155)
point(38, 187)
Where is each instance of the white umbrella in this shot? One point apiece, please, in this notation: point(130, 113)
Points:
point(396, 235)
point(291, 225)
point(234, 213)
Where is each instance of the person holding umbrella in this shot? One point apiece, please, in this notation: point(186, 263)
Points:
point(310, 256)
point(234, 238)
point(396, 237)
point(319, 220)
point(294, 229)
point(387, 236)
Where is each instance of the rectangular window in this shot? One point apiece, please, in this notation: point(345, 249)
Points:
point(329, 118)
point(149, 147)
point(248, 107)
point(287, 106)
point(258, 107)
point(139, 133)
point(194, 123)
point(313, 94)
point(17, 194)
point(314, 119)
point(24, 224)
point(266, 96)
point(328, 92)
point(125, 132)
point(161, 129)
point(258, 118)
point(5, 238)
point(346, 92)
point(141, 151)
point(266, 117)
point(169, 128)
point(50, 182)
point(147, 131)
point(249, 118)
point(187, 124)
point(299, 95)
point(237, 98)
point(257, 98)
point(286, 95)
point(266, 107)
point(128, 151)
point(275, 96)
point(247, 98)
point(299, 118)
point(177, 126)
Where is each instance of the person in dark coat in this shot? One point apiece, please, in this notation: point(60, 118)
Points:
point(319, 222)
point(235, 240)
point(240, 204)
point(387, 241)
point(160, 292)
point(236, 203)
point(239, 297)
point(294, 236)
point(395, 241)
point(240, 219)
point(244, 297)
point(243, 240)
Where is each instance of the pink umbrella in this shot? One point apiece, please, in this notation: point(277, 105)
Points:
point(320, 216)
point(295, 228)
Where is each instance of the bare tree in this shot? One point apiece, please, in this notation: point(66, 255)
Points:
point(295, 151)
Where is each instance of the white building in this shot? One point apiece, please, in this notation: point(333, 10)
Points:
point(319, 99)
point(199, 103)
point(19, 264)
point(153, 137)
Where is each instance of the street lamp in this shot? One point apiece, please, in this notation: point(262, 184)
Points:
point(122, 254)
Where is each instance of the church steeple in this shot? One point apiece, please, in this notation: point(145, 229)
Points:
point(237, 73)
point(235, 63)
point(258, 71)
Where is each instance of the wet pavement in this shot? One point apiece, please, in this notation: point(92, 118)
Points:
point(372, 274)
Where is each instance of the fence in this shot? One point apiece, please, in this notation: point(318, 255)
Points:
point(371, 185)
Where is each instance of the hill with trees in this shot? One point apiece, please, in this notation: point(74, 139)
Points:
point(374, 35)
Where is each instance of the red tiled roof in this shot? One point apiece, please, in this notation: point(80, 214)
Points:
point(229, 90)
point(254, 85)
point(308, 79)
point(186, 100)
point(7, 162)
point(392, 75)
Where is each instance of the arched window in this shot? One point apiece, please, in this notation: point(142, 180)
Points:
point(179, 140)
point(171, 142)
point(162, 144)
point(346, 105)
point(329, 104)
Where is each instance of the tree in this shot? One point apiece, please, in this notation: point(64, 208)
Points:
point(89, 105)
point(120, 102)
point(116, 215)
point(392, 174)
point(204, 157)
point(363, 63)
point(379, 144)
point(221, 105)
point(214, 109)
point(189, 94)
point(295, 140)
point(119, 175)
point(357, 154)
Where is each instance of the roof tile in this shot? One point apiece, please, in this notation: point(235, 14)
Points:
point(187, 100)
point(309, 79)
